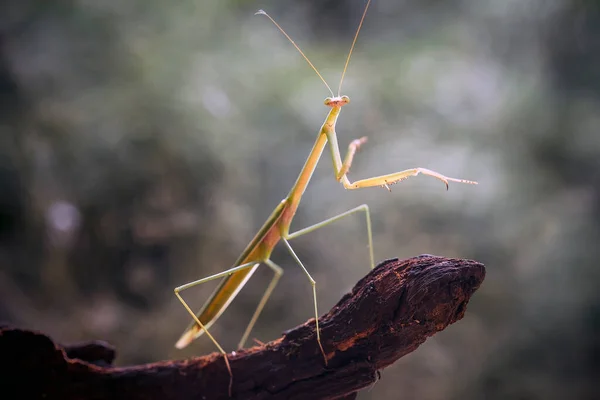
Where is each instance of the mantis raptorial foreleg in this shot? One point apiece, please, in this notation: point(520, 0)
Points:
point(352, 149)
point(390, 179)
point(314, 290)
point(278, 271)
point(341, 168)
point(363, 207)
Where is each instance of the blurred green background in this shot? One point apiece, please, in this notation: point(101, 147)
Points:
point(144, 142)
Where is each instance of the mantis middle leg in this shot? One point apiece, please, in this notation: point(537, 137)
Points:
point(278, 271)
point(362, 208)
point(314, 290)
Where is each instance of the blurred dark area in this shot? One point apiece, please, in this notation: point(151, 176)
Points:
point(143, 143)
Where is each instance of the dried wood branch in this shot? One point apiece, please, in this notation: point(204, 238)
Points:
point(388, 314)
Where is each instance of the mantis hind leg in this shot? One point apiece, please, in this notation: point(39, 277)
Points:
point(362, 208)
point(278, 271)
point(190, 333)
point(197, 327)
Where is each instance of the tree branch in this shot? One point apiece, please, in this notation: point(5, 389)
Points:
point(388, 314)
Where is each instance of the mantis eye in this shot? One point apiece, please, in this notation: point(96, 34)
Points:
point(345, 99)
point(328, 101)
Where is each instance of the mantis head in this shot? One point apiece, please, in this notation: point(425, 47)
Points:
point(336, 101)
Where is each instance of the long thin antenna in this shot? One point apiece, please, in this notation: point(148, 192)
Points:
point(352, 47)
point(262, 12)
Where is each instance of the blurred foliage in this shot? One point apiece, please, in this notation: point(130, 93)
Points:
point(143, 143)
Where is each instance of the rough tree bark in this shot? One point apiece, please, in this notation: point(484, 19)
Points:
point(388, 314)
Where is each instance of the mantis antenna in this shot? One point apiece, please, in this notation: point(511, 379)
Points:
point(352, 47)
point(262, 12)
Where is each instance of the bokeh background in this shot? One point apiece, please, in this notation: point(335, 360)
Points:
point(144, 142)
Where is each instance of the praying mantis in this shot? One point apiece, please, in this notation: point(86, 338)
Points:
point(277, 227)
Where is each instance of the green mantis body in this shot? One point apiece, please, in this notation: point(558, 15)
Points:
point(277, 226)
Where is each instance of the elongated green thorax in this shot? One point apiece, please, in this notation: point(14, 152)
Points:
point(301, 183)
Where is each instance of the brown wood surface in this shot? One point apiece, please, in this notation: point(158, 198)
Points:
point(388, 314)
